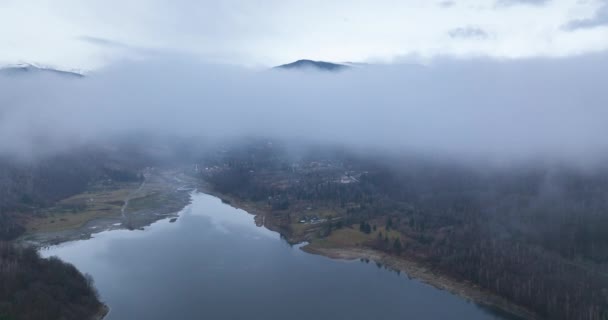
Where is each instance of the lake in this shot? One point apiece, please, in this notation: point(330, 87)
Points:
point(215, 263)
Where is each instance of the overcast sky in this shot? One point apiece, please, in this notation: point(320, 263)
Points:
point(94, 33)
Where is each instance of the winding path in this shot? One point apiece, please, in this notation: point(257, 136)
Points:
point(129, 197)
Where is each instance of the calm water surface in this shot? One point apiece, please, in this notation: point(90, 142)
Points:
point(214, 263)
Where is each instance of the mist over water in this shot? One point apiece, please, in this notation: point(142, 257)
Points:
point(476, 109)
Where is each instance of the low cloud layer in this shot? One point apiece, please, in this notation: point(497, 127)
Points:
point(468, 33)
point(471, 109)
point(599, 19)
point(522, 2)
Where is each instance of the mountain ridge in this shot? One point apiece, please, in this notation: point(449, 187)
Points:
point(30, 68)
point(312, 64)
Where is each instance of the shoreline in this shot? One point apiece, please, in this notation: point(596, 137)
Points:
point(146, 218)
point(176, 191)
point(103, 312)
point(418, 271)
point(413, 269)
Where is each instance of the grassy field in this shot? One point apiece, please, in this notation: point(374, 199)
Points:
point(151, 199)
point(75, 211)
point(352, 237)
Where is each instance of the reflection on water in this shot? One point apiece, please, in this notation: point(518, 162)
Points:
point(214, 263)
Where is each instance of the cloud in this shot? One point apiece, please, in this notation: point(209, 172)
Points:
point(469, 109)
point(102, 42)
point(599, 19)
point(126, 50)
point(446, 4)
point(91, 34)
point(522, 2)
point(468, 33)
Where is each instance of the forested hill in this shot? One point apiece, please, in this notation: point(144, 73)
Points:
point(535, 235)
point(32, 288)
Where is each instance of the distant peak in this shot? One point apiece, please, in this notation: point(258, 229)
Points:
point(311, 64)
point(33, 68)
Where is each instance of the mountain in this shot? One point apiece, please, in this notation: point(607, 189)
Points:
point(316, 65)
point(26, 68)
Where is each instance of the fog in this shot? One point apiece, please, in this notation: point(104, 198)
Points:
point(473, 109)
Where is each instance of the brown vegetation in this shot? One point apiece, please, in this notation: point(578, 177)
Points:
point(536, 236)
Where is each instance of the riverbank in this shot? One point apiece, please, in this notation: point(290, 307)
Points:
point(413, 269)
point(148, 210)
point(421, 272)
point(127, 206)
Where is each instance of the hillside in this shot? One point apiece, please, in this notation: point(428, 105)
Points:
point(30, 69)
point(313, 65)
point(32, 288)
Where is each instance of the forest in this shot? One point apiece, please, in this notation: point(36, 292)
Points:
point(534, 234)
point(27, 186)
point(33, 288)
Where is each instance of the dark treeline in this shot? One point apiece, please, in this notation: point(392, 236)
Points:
point(32, 288)
point(28, 185)
point(24, 187)
point(537, 235)
point(36, 288)
point(533, 234)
